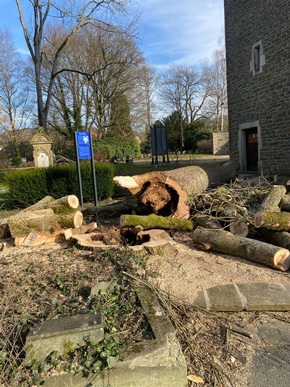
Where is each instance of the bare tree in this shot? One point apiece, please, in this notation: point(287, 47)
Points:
point(143, 105)
point(14, 94)
point(107, 67)
point(74, 15)
point(215, 75)
point(184, 90)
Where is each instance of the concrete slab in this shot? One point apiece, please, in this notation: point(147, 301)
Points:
point(277, 334)
point(221, 298)
point(271, 368)
point(266, 296)
point(63, 335)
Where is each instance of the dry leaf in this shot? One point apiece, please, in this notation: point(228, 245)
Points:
point(195, 379)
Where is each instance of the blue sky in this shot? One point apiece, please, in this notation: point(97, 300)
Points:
point(171, 31)
point(184, 31)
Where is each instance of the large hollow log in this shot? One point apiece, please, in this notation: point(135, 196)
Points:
point(155, 221)
point(167, 193)
point(279, 221)
point(254, 250)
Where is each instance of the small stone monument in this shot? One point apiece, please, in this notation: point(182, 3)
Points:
point(42, 153)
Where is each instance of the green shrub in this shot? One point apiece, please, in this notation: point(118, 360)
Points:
point(16, 161)
point(119, 147)
point(29, 186)
point(26, 186)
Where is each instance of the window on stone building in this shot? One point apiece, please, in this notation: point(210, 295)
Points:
point(257, 61)
point(258, 58)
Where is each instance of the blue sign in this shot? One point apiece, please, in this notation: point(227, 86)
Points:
point(83, 140)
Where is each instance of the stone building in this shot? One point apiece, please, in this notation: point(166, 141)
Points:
point(258, 75)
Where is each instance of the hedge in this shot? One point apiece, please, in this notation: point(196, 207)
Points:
point(28, 186)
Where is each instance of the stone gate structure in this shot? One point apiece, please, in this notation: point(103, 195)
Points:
point(258, 75)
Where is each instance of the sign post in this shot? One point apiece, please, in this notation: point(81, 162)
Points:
point(84, 151)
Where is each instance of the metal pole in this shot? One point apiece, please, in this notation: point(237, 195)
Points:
point(93, 171)
point(79, 172)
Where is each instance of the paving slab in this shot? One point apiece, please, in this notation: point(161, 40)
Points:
point(63, 335)
point(247, 296)
point(266, 296)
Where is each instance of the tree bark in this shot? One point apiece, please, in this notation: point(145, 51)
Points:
point(155, 221)
point(278, 238)
point(44, 221)
point(279, 221)
point(257, 251)
point(167, 193)
point(273, 199)
point(285, 203)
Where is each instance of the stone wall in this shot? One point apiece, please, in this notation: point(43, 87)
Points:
point(261, 97)
point(220, 143)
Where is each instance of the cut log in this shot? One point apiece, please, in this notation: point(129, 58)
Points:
point(239, 228)
point(254, 250)
point(40, 205)
point(70, 219)
point(272, 201)
point(62, 205)
point(167, 193)
point(36, 239)
point(44, 221)
point(279, 221)
point(65, 204)
point(206, 221)
point(155, 221)
point(83, 229)
point(285, 203)
point(24, 222)
point(278, 238)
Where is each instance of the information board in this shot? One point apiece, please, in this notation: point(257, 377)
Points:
point(83, 140)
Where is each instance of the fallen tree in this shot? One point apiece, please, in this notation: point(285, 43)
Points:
point(167, 192)
point(254, 250)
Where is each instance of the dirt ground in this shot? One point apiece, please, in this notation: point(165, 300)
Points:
point(215, 354)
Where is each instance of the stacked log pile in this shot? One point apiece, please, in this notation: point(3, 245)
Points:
point(250, 222)
point(45, 221)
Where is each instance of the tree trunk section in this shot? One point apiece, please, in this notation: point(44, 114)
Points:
point(239, 228)
point(279, 221)
point(257, 251)
point(155, 221)
point(167, 193)
point(285, 203)
point(25, 222)
point(43, 221)
point(273, 199)
point(278, 238)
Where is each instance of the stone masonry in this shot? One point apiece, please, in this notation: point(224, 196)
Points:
point(258, 76)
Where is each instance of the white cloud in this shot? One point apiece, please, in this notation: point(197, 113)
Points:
point(186, 31)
